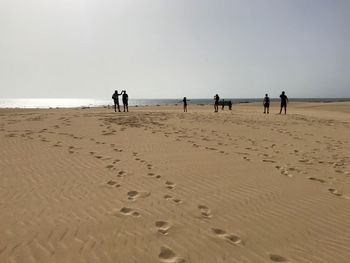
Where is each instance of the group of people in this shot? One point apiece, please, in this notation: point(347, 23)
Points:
point(216, 104)
point(223, 103)
point(266, 102)
point(125, 99)
point(284, 101)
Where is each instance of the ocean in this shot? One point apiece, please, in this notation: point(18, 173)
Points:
point(77, 103)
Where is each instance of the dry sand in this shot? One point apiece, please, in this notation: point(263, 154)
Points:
point(160, 185)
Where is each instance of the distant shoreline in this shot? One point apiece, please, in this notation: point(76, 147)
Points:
point(93, 103)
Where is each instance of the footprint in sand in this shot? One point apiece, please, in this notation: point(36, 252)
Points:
point(170, 185)
point(169, 256)
point(121, 174)
point(277, 258)
point(335, 192)
point(268, 161)
point(113, 183)
point(129, 211)
point(205, 211)
point(177, 201)
point(167, 197)
point(162, 227)
point(228, 237)
point(133, 195)
point(316, 179)
point(170, 198)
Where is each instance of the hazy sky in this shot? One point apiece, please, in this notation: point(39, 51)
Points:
point(174, 48)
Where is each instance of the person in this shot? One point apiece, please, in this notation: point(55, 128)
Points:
point(284, 101)
point(223, 104)
point(125, 99)
point(230, 105)
point(266, 104)
point(216, 103)
point(185, 103)
point(115, 98)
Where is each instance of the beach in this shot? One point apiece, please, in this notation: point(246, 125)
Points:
point(160, 185)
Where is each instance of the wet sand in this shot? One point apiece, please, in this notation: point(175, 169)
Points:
point(160, 185)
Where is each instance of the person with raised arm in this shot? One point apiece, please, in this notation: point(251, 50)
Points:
point(115, 98)
point(184, 100)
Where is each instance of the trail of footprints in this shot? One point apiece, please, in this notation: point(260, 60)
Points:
point(166, 254)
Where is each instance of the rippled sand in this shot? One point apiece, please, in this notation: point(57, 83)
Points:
point(160, 185)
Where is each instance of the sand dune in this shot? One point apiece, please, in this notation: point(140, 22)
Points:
point(160, 185)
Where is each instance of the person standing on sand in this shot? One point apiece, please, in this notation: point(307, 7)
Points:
point(230, 105)
point(185, 103)
point(284, 101)
point(266, 104)
point(115, 98)
point(125, 99)
point(223, 105)
point(216, 103)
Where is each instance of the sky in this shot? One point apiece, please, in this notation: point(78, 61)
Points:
point(174, 48)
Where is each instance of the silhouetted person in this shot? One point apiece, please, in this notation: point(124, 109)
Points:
point(125, 99)
point(284, 101)
point(216, 103)
point(185, 103)
point(223, 105)
point(266, 104)
point(115, 97)
point(230, 105)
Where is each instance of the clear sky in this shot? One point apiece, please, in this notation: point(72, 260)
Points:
point(174, 48)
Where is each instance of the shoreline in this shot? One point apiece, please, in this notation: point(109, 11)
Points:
point(151, 102)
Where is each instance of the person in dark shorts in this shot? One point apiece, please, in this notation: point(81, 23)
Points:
point(230, 105)
point(266, 104)
point(185, 103)
point(125, 99)
point(216, 103)
point(223, 105)
point(115, 98)
point(284, 101)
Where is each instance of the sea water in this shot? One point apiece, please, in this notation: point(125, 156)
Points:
point(76, 102)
